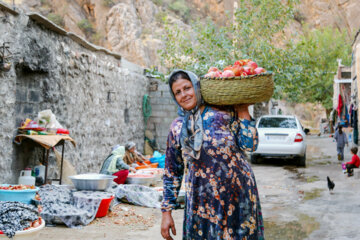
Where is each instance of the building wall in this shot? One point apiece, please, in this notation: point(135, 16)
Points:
point(94, 93)
point(164, 111)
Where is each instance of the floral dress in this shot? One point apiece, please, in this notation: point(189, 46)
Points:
point(222, 199)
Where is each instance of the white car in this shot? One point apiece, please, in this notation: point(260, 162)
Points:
point(280, 136)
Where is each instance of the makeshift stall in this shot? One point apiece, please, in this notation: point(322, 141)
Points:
point(48, 142)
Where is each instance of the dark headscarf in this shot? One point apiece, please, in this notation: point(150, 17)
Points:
point(191, 135)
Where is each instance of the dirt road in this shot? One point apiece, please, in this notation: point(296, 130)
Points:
point(295, 201)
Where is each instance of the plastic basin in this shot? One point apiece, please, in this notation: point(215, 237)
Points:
point(152, 165)
point(23, 196)
point(104, 207)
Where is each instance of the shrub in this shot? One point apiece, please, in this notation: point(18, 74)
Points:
point(86, 26)
point(180, 8)
point(108, 3)
point(57, 19)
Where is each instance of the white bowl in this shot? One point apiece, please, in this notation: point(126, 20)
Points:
point(25, 234)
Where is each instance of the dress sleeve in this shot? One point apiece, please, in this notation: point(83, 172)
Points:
point(246, 134)
point(174, 170)
point(120, 164)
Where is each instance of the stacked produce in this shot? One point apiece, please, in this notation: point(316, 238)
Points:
point(243, 67)
point(17, 187)
point(243, 82)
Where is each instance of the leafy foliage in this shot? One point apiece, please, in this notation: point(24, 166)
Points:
point(86, 26)
point(57, 19)
point(108, 3)
point(315, 55)
point(303, 70)
point(180, 7)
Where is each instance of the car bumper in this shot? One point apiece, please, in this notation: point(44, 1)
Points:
point(284, 151)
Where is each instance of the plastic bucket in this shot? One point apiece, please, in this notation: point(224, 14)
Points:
point(104, 207)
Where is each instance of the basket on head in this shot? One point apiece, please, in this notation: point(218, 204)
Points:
point(237, 90)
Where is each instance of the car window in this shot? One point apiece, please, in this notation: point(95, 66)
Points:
point(276, 122)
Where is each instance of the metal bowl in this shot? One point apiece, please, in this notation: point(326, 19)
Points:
point(140, 179)
point(92, 181)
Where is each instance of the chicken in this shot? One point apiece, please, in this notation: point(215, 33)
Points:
point(330, 183)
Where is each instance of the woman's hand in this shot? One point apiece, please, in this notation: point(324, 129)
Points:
point(167, 222)
point(132, 169)
point(242, 111)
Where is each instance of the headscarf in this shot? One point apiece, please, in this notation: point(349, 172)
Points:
point(130, 145)
point(191, 135)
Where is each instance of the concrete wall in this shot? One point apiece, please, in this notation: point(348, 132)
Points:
point(164, 111)
point(88, 88)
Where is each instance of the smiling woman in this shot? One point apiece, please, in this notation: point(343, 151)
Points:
point(206, 145)
point(184, 92)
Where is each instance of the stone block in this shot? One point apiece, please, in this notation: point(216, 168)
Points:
point(28, 109)
point(21, 95)
point(34, 96)
point(163, 87)
point(18, 122)
point(156, 114)
point(17, 108)
point(155, 94)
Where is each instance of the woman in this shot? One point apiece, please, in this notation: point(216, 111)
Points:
point(208, 144)
point(114, 165)
point(133, 157)
point(341, 140)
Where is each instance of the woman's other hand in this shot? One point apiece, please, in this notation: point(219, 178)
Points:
point(132, 169)
point(242, 111)
point(167, 222)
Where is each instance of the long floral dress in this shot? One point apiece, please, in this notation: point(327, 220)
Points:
point(222, 199)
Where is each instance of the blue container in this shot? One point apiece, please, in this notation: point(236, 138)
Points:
point(23, 196)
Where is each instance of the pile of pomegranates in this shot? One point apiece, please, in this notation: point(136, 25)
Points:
point(243, 67)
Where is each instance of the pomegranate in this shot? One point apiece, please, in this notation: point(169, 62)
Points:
point(252, 64)
point(249, 70)
point(228, 74)
point(259, 70)
point(213, 69)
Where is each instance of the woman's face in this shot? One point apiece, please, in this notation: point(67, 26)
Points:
point(184, 93)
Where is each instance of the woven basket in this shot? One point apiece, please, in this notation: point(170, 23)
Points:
point(237, 90)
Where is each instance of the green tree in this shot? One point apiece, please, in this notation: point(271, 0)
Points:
point(315, 56)
point(303, 70)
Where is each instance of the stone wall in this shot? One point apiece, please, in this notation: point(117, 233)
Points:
point(94, 93)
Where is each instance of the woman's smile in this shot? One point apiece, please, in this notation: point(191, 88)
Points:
point(184, 93)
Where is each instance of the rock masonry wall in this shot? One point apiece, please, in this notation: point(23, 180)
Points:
point(94, 93)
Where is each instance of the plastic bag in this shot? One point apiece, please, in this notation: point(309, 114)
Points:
point(47, 119)
point(158, 158)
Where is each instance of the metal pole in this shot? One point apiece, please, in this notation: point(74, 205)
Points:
point(46, 164)
point(62, 160)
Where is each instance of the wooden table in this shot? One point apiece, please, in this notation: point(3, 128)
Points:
point(48, 142)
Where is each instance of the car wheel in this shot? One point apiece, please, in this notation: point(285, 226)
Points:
point(253, 159)
point(302, 161)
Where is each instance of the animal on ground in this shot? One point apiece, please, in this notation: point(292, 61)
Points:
point(330, 184)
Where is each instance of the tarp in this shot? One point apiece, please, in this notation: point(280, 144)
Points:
point(47, 141)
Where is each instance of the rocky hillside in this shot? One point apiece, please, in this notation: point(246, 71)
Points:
point(133, 27)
